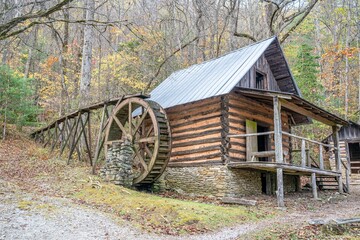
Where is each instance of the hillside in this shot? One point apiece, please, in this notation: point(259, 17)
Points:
point(40, 193)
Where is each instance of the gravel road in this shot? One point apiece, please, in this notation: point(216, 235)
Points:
point(26, 216)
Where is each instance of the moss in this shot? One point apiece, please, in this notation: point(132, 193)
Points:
point(154, 211)
point(25, 205)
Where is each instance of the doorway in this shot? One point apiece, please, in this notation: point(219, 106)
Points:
point(263, 142)
point(354, 155)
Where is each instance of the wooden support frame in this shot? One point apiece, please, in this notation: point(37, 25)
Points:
point(100, 137)
point(314, 186)
point(321, 157)
point(278, 151)
point(338, 157)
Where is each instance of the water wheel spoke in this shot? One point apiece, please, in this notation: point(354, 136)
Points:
point(144, 133)
point(114, 141)
point(122, 128)
point(141, 160)
point(147, 139)
point(149, 130)
point(141, 120)
point(148, 151)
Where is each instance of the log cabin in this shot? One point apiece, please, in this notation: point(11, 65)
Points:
point(349, 144)
point(231, 122)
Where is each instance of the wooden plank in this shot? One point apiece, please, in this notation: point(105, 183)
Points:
point(293, 107)
point(335, 136)
point(251, 141)
point(240, 201)
point(196, 138)
point(277, 130)
point(98, 140)
point(321, 158)
point(303, 153)
point(314, 186)
point(280, 187)
point(201, 155)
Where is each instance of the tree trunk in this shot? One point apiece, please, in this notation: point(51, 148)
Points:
point(85, 80)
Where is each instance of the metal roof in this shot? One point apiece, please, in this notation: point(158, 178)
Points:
point(208, 79)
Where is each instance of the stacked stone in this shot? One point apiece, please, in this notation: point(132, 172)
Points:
point(118, 165)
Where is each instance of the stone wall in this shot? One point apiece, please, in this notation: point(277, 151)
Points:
point(217, 181)
point(214, 181)
point(118, 165)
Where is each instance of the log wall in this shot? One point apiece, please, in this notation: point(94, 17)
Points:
point(196, 133)
point(242, 108)
point(199, 129)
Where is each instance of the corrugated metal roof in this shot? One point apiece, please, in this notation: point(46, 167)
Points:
point(208, 79)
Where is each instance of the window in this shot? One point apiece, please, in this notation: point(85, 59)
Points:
point(260, 80)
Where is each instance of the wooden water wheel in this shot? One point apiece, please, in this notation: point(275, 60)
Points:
point(145, 125)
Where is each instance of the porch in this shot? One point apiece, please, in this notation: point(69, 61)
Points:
point(282, 161)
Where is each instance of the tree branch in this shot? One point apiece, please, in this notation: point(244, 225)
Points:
point(308, 10)
point(245, 35)
point(7, 27)
point(166, 59)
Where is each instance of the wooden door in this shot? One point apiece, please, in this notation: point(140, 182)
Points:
point(251, 142)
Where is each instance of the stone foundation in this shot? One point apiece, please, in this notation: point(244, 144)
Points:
point(118, 165)
point(217, 181)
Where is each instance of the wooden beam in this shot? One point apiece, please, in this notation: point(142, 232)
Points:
point(337, 156)
point(303, 153)
point(321, 158)
point(314, 186)
point(99, 137)
point(280, 187)
point(75, 139)
point(288, 168)
point(293, 107)
point(277, 130)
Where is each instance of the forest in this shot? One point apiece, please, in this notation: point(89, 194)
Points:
point(59, 55)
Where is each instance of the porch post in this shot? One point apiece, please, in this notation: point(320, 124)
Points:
point(313, 184)
point(278, 151)
point(335, 136)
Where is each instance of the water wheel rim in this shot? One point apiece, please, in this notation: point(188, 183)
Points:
point(129, 105)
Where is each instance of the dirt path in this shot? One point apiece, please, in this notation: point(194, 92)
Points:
point(25, 216)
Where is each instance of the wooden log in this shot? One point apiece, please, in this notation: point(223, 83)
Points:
point(75, 139)
point(277, 131)
point(201, 155)
point(193, 105)
point(303, 153)
point(195, 130)
point(321, 158)
point(195, 151)
point(335, 136)
point(314, 186)
point(190, 143)
point(200, 114)
point(240, 201)
point(205, 120)
point(197, 138)
point(280, 187)
point(196, 146)
point(205, 157)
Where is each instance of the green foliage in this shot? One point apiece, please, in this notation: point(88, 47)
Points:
point(16, 103)
point(305, 72)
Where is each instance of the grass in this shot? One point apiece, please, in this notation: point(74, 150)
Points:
point(34, 169)
point(305, 231)
point(165, 214)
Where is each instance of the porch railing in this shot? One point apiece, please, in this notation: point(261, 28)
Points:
point(304, 151)
point(306, 160)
